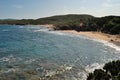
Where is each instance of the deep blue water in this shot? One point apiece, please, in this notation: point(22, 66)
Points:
point(37, 52)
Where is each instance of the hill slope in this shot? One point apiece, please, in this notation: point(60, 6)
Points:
point(84, 22)
point(64, 19)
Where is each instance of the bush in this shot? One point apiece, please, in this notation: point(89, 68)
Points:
point(111, 71)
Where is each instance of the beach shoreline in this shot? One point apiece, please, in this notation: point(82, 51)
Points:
point(115, 39)
point(97, 35)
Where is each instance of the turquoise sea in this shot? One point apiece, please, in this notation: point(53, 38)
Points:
point(35, 53)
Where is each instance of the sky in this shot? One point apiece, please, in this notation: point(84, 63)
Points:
point(33, 9)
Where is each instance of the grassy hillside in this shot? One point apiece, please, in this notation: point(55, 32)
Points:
point(61, 19)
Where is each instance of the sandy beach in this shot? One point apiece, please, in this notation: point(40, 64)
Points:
point(98, 35)
point(49, 26)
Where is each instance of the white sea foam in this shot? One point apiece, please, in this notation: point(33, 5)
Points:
point(29, 61)
point(65, 34)
point(109, 44)
point(88, 69)
point(41, 30)
point(82, 75)
point(52, 32)
point(56, 33)
point(92, 67)
point(10, 58)
point(4, 59)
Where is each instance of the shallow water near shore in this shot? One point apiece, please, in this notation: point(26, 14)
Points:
point(34, 52)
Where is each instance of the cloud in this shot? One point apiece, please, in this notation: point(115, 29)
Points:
point(17, 6)
point(107, 5)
